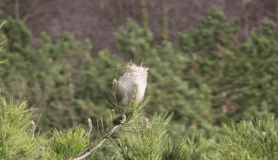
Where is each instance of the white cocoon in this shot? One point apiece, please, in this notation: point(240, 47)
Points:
point(134, 76)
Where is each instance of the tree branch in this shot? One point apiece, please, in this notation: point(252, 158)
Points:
point(122, 121)
point(31, 10)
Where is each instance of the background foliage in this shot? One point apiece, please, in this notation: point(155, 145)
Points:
point(201, 76)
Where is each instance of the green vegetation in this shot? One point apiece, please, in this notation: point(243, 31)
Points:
point(195, 81)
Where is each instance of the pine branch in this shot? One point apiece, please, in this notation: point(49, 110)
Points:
point(121, 120)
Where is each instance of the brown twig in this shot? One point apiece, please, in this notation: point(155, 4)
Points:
point(107, 136)
point(31, 10)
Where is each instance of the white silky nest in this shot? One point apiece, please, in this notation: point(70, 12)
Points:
point(134, 76)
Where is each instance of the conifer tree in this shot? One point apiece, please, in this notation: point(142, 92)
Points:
point(169, 81)
point(241, 78)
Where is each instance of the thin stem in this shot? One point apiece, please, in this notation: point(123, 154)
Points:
point(104, 138)
point(16, 10)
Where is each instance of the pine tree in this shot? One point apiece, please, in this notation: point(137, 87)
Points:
point(242, 78)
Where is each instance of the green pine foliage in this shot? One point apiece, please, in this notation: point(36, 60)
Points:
point(16, 133)
point(75, 139)
point(17, 33)
point(260, 73)
point(205, 46)
point(246, 75)
point(169, 80)
point(249, 140)
point(62, 80)
point(193, 79)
